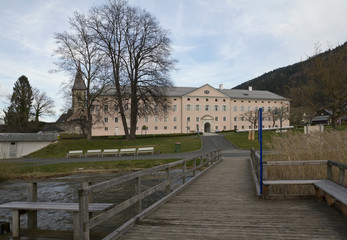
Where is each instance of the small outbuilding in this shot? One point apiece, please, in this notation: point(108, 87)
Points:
point(16, 145)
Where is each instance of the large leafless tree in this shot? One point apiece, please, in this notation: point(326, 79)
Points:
point(139, 53)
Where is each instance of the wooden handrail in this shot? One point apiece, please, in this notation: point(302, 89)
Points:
point(84, 193)
point(254, 158)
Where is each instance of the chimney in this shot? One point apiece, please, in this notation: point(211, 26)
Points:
point(250, 88)
point(220, 86)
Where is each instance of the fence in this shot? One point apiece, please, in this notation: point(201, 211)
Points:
point(338, 175)
point(200, 164)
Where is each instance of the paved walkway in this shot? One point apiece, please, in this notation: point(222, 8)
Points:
point(222, 205)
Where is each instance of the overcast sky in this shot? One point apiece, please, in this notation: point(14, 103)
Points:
point(215, 41)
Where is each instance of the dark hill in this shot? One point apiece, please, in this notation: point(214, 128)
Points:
point(279, 81)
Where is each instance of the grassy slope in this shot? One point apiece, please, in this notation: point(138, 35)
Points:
point(161, 145)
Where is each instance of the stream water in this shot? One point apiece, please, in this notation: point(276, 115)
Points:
point(67, 192)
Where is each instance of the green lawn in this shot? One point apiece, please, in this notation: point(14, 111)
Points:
point(23, 171)
point(241, 140)
point(160, 144)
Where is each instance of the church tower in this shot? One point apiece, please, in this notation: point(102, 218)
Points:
point(78, 91)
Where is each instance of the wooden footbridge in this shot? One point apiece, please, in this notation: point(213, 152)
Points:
point(220, 204)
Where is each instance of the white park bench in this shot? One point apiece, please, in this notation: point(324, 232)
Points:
point(127, 151)
point(110, 152)
point(145, 150)
point(93, 152)
point(75, 153)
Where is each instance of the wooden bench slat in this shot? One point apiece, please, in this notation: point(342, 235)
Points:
point(57, 206)
point(335, 190)
point(289, 182)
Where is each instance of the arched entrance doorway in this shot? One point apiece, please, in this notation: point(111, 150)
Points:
point(207, 127)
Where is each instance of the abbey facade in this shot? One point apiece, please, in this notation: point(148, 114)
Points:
point(203, 109)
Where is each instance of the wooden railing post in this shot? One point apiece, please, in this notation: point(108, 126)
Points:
point(138, 192)
point(83, 214)
point(341, 176)
point(329, 171)
point(264, 170)
point(194, 167)
point(184, 172)
point(168, 187)
point(32, 197)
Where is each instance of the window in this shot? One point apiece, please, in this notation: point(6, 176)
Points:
point(197, 107)
point(224, 127)
point(146, 119)
point(116, 108)
point(207, 107)
point(269, 119)
point(106, 120)
point(216, 100)
point(224, 108)
point(105, 108)
point(197, 119)
point(269, 109)
point(165, 108)
point(175, 119)
point(126, 107)
point(216, 127)
point(188, 99)
point(156, 128)
point(235, 108)
point(223, 100)
point(106, 128)
point(175, 127)
point(206, 91)
point(216, 107)
point(165, 127)
point(174, 108)
point(242, 108)
point(165, 119)
point(197, 99)
point(188, 128)
point(188, 119)
point(116, 120)
point(206, 99)
point(188, 107)
point(243, 127)
point(242, 119)
point(224, 119)
point(216, 119)
point(249, 108)
point(92, 108)
point(235, 119)
point(156, 119)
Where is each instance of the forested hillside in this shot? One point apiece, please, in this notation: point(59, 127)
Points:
point(281, 80)
point(318, 83)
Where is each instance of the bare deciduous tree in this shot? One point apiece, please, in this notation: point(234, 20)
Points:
point(251, 117)
point(78, 52)
point(42, 105)
point(327, 87)
point(139, 53)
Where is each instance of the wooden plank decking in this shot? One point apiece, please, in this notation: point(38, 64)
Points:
point(222, 205)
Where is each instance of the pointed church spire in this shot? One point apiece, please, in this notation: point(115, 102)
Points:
point(79, 83)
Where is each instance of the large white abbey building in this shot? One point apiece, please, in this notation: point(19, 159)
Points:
point(204, 109)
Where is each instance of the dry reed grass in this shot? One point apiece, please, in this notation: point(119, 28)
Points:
point(294, 146)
